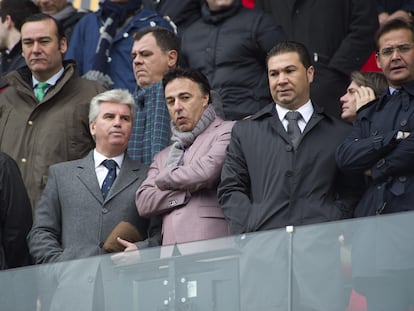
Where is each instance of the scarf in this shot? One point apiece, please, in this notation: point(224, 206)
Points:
point(182, 140)
point(65, 13)
point(114, 15)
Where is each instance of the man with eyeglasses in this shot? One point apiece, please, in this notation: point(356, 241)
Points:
point(382, 148)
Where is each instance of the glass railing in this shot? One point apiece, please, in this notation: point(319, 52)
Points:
point(330, 266)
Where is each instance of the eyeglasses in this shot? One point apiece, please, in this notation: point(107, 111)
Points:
point(401, 49)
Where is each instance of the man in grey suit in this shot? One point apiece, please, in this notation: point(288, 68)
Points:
point(73, 219)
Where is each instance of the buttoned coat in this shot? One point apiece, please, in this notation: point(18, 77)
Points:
point(266, 184)
point(38, 134)
point(232, 55)
point(73, 220)
point(186, 195)
point(383, 244)
point(372, 145)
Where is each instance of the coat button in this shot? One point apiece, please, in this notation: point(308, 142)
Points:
point(289, 148)
point(101, 244)
point(380, 163)
point(289, 174)
point(403, 123)
point(104, 211)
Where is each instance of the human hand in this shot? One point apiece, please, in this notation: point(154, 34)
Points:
point(130, 254)
point(128, 245)
point(363, 95)
point(400, 14)
point(383, 17)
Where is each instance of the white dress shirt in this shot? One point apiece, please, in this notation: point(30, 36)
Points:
point(306, 111)
point(101, 170)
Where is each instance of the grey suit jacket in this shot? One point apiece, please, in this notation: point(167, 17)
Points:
point(73, 220)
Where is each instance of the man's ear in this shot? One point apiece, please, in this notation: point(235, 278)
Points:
point(205, 98)
point(172, 58)
point(377, 61)
point(92, 128)
point(63, 45)
point(9, 22)
point(310, 73)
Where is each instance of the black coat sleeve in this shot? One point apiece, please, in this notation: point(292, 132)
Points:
point(16, 215)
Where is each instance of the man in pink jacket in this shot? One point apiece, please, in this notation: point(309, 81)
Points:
point(182, 181)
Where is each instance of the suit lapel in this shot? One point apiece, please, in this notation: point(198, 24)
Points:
point(87, 175)
point(127, 175)
point(278, 126)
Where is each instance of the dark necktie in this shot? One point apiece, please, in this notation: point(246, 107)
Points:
point(41, 88)
point(293, 129)
point(110, 177)
point(400, 96)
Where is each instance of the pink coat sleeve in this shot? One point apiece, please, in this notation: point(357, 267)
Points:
point(167, 188)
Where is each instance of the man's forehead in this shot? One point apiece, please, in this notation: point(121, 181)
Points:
point(285, 56)
point(44, 27)
point(146, 41)
point(396, 35)
point(181, 85)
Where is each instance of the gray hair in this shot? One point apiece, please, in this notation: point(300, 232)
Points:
point(114, 96)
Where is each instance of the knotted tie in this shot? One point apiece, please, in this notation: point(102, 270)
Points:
point(293, 129)
point(41, 90)
point(110, 177)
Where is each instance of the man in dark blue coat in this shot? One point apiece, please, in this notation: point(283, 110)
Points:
point(382, 148)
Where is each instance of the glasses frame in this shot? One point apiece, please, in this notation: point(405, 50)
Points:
point(401, 49)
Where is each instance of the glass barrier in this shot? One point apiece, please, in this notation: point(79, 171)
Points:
point(353, 265)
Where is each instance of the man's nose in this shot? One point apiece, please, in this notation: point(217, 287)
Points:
point(396, 54)
point(36, 47)
point(282, 78)
point(177, 105)
point(117, 121)
point(137, 59)
point(343, 98)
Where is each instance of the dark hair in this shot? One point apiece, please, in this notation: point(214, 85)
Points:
point(375, 80)
point(191, 74)
point(166, 39)
point(18, 10)
point(41, 17)
point(291, 46)
point(393, 24)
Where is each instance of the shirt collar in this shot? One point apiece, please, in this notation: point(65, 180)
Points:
point(99, 158)
point(52, 80)
point(305, 110)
